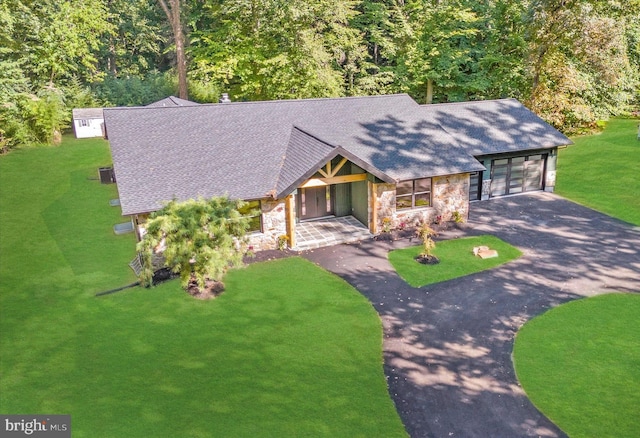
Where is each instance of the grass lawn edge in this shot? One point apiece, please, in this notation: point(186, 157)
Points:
point(576, 361)
point(456, 259)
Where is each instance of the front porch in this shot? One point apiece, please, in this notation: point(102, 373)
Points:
point(330, 231)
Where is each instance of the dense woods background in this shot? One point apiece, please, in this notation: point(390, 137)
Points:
point(572, 61)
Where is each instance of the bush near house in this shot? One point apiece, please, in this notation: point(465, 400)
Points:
point(201, 239)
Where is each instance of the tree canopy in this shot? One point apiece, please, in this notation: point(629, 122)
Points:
point(572, 61)
point(198, 239)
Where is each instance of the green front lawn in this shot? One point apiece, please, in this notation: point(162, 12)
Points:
point(602, 171)
point(456, 260)
point(287, 350)
point(580, 365)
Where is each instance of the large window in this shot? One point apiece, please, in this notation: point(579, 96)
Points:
point(253, 211)
point(413, 194)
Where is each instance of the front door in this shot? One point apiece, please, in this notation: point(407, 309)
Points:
point(315, 202)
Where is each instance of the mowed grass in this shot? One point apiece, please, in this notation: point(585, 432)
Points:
point(603, 171)
point(287, 350)
point(456, 260)
point(580, 365)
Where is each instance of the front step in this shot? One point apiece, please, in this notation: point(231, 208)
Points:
point(332, 240)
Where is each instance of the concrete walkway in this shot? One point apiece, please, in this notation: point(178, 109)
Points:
point(447, 347)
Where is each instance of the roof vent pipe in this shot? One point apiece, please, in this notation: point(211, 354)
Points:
point(224, 98)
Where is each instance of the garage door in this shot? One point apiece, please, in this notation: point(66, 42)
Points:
point(517, 174)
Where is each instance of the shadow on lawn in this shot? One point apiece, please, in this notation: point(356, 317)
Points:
point(448, 346)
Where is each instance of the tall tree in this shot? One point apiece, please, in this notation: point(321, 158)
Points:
point(45, 47)
point(452, 45)
point(172, 10)
point(276, 49)
point(58, 40)
point(506, 50)
point(389, 28)
point(135, 46)
point(579, 60)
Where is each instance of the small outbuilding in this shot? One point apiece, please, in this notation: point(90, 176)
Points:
point(88, 122)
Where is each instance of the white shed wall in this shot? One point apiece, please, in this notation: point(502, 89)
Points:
point(87, 128)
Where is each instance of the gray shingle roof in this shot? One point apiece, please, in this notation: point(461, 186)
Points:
point(495, 126)
point(87, 113)
point(172, 101)
point(257, 149)
point(304, 155)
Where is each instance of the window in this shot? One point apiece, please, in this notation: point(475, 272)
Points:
point(413, 194)
point(252, 210)
point(475, 186)
point(84, 122)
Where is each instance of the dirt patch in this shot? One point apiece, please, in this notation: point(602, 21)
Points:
point(427, 259)
point(211, 290)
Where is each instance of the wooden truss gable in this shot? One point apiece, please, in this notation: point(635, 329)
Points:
point(329, 175)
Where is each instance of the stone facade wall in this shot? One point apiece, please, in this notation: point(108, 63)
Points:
point(414, 217)
point(450, 194)
point(386, 205)
point(273, 225)
point(387, 209)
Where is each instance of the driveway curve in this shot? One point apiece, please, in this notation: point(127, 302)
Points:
point(447, 347)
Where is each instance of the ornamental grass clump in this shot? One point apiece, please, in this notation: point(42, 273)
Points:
point(426, 234)
point(387, 224)
point(283, 241)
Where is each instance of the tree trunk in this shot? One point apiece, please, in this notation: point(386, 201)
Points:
point(429, 90)
point(173, 15)
point(111, 60)
point(537, 69)
point(181, 60)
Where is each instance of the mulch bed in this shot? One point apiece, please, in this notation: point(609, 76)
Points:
point(212, 289)
point(427, 259)
point(405, 233)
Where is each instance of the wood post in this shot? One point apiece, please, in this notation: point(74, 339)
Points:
point(290, 219)
point(373, 197)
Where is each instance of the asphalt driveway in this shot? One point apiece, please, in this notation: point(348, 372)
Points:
point(447, 347)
